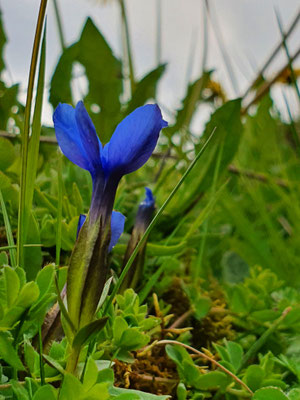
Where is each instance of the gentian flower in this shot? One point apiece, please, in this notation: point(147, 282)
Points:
point(145, 212)
point(142, 221)
point(129, 148)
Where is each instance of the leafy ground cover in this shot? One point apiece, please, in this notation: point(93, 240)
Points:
point(209, 306)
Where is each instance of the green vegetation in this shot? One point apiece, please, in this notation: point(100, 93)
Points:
point(214, 311)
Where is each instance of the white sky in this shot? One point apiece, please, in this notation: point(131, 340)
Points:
point(249, 31)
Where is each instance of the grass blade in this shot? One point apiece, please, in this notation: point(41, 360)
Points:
point(59, 26)
point(25, 135)
point(206, 212)
point(10, 239)
point(34, 142)
point(59, 210)
point(153, 222)
point(127, 45)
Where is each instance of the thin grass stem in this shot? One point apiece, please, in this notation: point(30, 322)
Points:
point(153, 222)
point(10, 239)
point(26, 133)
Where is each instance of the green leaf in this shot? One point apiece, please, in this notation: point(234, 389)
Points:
point(32, 255)
point(104, 293)
point(4, 181)
point(181, 391)
point(178, 354)
point(7, 100)
point(28, 295)
point(191, 373)
point(12, 285)
point(128, 396)
point(3, 259)
point(88, 332)
point(254, 377)
point(106, 375)
point(19, 391)
point(32, 358)
point(115, 391)
point(3, 40)
point(132, 339)
point(54, 364)
point(119, 326)
point(146, 88)
point(274, 382)
point(7, 153)
point(269, 393)
point(45, 279)
point(235, 352)
point(46, 392)
point(91, 374)
point(239, 300)
point(98, 391)
point(213, 380)
point(8, 353)
point(104, 76)
point(71, 388)
point(202, 306)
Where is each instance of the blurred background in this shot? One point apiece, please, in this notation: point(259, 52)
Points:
point(183, 34)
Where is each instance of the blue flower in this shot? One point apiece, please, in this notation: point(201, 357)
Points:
point(129, 148)
point(145, 212)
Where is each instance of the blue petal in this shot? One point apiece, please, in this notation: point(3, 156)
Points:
point(81, 221)
point(69, 125)
point(117, 228)
point(133, 141)
point(88, 135)
point(149, 199)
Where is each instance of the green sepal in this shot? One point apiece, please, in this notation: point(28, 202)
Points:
point(88, 332)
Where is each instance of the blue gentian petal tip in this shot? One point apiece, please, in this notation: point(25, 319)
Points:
point(117, 228)
point(149, 199)
point(81, 221)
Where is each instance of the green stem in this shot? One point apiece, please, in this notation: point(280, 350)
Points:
point(59, 26)
point(128, 45)
point(263, 338)
point(59, 211)
point(42, 371)
point(26, 132)
point(9, 235)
